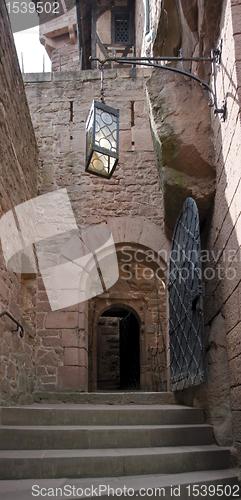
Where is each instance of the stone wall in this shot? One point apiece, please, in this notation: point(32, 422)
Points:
point(59, 37)
point(59, 106)
point(223, 291)
point(140, 27)
point(67, 57)
point(19, 164)
point(201, 26)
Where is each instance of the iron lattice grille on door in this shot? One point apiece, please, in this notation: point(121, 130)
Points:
point(186, 301)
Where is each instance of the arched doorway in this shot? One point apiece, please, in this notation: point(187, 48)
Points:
point(118, 350)
point(140, 289)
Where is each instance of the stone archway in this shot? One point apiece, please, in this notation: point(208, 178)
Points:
point(141, 288)
point(75, 363)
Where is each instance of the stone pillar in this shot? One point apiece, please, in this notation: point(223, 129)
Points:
point(72, 373)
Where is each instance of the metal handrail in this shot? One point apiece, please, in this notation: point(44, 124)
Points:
point(21, 333)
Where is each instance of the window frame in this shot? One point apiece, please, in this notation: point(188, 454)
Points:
point(125, 14)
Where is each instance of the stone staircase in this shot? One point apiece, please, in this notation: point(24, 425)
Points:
point(129, 440)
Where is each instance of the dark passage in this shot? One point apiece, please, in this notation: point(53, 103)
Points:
point(129, 353)
point(118, 351)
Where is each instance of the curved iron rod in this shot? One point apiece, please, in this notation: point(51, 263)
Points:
point(176, 70)
point(173, 58)
point(149, 58)
point(15, 321)
point(143, 62)
point(152, 62)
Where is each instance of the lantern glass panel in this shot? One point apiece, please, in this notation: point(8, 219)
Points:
point(106, 130)
point(101, 164)
point(102, 130)
point(90, 132)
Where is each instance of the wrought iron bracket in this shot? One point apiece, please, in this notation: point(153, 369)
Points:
point(222, 111)
point(158, 62)
point(216, 61)
point(19, 327)
point(217, 53)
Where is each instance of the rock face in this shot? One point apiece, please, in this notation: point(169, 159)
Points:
point(180, 115)
point(182, 136)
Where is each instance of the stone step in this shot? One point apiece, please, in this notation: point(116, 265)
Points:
point(84, 437)
point(80, 488)
point(100, 415)
point(27, 464)
point(108, 385)
point(115, 398)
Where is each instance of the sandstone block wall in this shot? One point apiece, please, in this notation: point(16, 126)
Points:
point(18, 183)
point(59, 106)
point(140, 26)
point(202, 23)
point(224, 291)
point(67, 57)
point(220, 395)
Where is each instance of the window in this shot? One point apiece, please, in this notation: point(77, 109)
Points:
point(121, 30)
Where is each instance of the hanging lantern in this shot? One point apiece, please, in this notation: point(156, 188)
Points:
point(102, 140)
